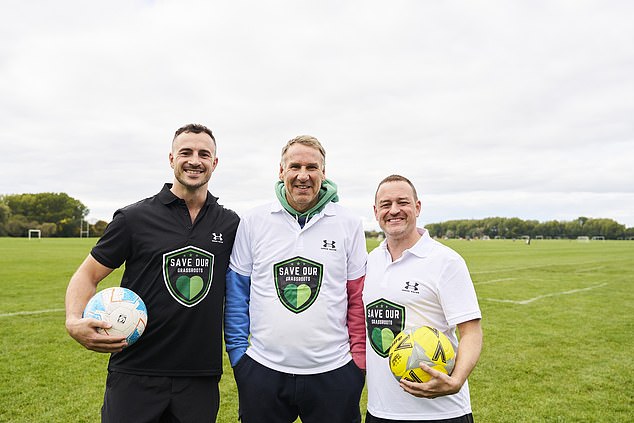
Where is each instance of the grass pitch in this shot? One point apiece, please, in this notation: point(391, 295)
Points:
point(557, 316)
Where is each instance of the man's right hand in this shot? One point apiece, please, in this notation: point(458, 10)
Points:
point(84, 331)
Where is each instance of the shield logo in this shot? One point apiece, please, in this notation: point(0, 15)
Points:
point(188, 273)
point(384, 320)
point(297, 282)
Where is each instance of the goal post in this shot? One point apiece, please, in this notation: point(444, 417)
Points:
point(84, 231)
point(35, 233)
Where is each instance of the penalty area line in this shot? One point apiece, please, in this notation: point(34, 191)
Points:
point(28, 313)
point(494, 281)
point(543, 266)
point(540, 297)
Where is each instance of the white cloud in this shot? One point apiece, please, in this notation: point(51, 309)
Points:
point(498, 108)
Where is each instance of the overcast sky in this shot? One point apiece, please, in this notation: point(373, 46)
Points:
point(492, 108)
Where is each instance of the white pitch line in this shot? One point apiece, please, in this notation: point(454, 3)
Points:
point(27, 313)
point(494, 281)
point(509, 269)
point(554, 294)
point(540, 266)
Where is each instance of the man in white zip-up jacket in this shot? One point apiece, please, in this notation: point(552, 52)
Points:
point(294, 322)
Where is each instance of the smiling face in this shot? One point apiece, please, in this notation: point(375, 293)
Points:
point(396, 210)
point(193, 159)
point(302, 171)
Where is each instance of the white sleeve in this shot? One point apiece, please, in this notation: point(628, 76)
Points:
point(357, 253)
point(457, 294)
point(241, 260)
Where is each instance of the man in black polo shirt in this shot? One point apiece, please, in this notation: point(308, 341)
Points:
point(172, 372)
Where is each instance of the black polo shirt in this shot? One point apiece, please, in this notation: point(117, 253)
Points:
point(178, 269)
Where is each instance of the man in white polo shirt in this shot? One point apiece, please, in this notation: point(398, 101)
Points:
point(294, 321)
point(413, 280)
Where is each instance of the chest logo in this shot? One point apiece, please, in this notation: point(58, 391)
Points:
point(297, 282)
point(188, 273)
point(411, 287)
point(384, 320)
point(329, 245)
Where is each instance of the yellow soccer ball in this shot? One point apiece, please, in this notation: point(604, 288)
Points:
point(424, 344)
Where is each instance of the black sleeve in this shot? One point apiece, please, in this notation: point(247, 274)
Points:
point(113, 247)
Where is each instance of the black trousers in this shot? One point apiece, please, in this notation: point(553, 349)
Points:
point(467, 418)
point(270, 396)
point(158, 399)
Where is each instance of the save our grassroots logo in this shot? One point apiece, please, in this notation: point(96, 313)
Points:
point(384, 320)
point(297, 282)
point(188, 273)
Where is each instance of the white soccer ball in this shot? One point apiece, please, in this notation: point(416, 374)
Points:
point(123, 309)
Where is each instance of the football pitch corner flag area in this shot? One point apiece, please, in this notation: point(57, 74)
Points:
point(558, 318)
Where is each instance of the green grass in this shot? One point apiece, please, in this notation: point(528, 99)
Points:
point(558, 320)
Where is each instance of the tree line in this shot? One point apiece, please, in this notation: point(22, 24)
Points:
point(511, 228)
point(54, 214)
point(59, 215)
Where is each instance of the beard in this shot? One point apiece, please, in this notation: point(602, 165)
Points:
point(191, 185)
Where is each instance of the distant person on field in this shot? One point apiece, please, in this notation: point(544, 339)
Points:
point(412, 281)
point(172, 372)
point(294, 324)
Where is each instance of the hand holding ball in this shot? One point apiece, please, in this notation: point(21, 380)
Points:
point(123, 309)
point(424, 344)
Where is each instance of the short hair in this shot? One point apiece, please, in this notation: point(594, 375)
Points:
point(196, 129)
point(396, 178)
point(309, 141)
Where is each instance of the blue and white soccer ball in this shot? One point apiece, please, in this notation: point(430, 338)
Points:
point(123, 309)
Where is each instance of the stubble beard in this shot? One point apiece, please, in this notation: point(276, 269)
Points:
point(192, 186)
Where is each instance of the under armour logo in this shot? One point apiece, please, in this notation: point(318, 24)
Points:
point(411, 286)
point(216, 237)
point(329, 245)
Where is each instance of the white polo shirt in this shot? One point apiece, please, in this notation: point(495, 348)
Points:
point(428, 285)
point(298, 295)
